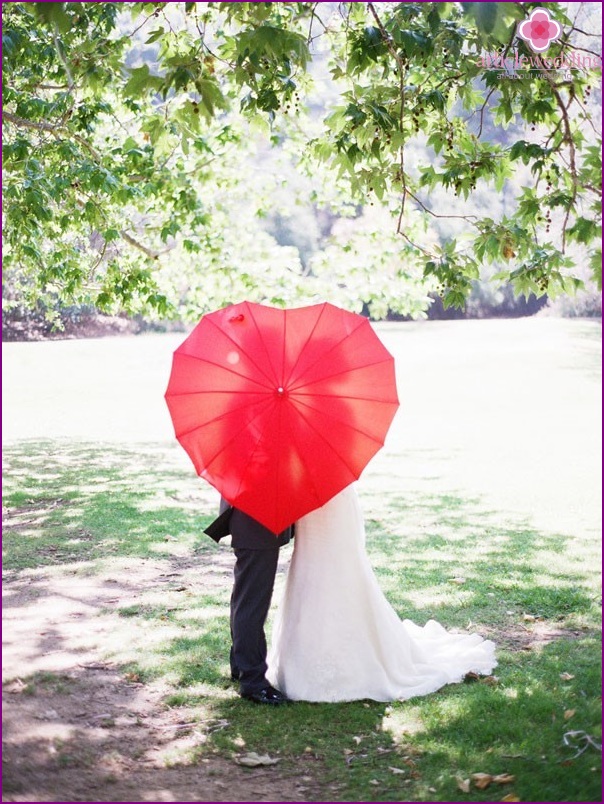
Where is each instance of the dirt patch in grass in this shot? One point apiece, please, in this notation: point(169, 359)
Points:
point(80, 728)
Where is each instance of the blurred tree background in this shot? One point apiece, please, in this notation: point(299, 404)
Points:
point(398, 159)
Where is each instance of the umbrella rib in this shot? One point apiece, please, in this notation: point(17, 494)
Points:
point(349, 426)
point(310, 475)
point(322, 437)
point(339, 373)
point(249, 460)
point(226, 444)
point(226, 368)
point(324, 354)
point(263, 342)
point(224, 416)
point(308, 339)
point(170, 394)
point(355, 398)
point(233, 341)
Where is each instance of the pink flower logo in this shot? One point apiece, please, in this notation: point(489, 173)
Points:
point(539, 30)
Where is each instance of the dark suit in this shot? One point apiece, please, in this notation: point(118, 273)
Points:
point(256, 554)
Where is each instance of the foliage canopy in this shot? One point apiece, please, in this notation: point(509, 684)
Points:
point(128, 130)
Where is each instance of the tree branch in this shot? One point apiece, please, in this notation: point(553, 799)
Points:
point(23, 123)
point(53, 128)
point(568, 139)
point(401, 72)
point(152, 253)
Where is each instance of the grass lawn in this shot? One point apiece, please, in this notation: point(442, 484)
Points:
point(482, 512)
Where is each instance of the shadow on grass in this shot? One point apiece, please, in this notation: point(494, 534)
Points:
point(448, 556)
point(418, 749)
point(68, 502)
point(442, 556)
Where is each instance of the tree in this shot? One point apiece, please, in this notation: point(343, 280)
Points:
point(126, 125)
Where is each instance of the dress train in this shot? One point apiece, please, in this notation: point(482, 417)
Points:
point(337, 638)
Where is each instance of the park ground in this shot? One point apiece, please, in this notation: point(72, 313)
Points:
point(482, 510)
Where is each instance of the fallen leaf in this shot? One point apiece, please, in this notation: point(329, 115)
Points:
point(566, 676)
point(504, 778)
point(459, 581)
point(529, 618)
point(492, 681)
point(396, 770)
point(482, 780)
point(511, 797)
point(463, 785)
point(357, 740)
point(253, 760)
point(569, 713)
point(374, 781)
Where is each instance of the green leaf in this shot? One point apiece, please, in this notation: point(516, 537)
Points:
point(486, 16)
point(54, 14)
point(141, 82)
point(584, 230)
point(595, 263)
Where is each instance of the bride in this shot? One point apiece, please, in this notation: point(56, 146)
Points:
point(336, 637)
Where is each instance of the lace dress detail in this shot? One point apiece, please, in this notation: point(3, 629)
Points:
point(336, 637)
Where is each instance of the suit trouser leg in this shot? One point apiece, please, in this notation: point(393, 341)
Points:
point(254, 579)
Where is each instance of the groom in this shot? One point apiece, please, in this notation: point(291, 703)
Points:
point(256, 554)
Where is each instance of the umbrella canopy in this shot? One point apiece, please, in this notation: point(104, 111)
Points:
point(281, 409)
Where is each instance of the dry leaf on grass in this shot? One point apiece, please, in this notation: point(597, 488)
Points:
point(463, 784)
point(511, 797)
point(483, 780)
point(254, 760)
point(569, 713)
point(458, 581)
point(492, 681)
point(566, 676)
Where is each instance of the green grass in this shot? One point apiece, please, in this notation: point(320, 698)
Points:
point(94, 510)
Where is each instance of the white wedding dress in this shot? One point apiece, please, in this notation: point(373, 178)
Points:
point(336, 637)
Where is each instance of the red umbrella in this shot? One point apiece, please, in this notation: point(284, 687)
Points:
point(281, 409)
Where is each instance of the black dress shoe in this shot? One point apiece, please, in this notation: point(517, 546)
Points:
point(267, 695)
